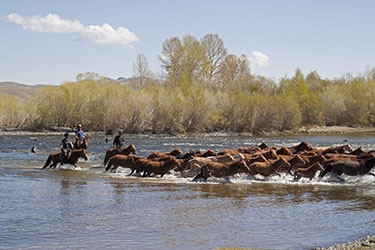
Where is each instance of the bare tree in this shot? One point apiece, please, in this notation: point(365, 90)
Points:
point(215, 52)
point(141, 70)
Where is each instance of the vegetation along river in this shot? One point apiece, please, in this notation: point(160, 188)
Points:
point(85, 208)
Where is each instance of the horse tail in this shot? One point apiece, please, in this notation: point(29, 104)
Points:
point(106, 158)
point(49, 159)
point(108, 165)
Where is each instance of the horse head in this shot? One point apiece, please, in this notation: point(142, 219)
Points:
point(132, 149)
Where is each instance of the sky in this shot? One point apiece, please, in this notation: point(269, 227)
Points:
point(51, 42)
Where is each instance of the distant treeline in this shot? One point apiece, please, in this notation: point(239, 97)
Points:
point(203, 90)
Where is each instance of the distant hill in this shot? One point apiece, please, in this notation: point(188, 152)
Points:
point(21, 91)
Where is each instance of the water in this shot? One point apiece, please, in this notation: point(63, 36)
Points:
point(88, 209)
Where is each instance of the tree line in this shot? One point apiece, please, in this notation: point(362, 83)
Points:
point(202, 89)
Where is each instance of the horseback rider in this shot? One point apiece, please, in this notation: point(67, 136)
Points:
point(118, 141)
point(79, 136)
point(65, 146)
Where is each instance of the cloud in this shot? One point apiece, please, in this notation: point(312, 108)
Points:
point(105, 34)
point(259, 59)
point(52, 23)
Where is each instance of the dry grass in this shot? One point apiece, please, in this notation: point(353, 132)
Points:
point(21, 91)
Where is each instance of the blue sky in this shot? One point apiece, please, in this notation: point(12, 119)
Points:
point(51, 42)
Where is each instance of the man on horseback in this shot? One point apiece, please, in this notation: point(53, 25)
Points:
point(65, 146)
point(118, 141)
point(79, 136)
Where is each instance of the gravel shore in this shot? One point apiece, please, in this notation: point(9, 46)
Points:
point(365, 243)
point(360, 244)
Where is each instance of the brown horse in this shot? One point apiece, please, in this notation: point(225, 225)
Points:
point(175, 152)
point(119, 160)
point(308, 172)
point(349, 167)
point(124, 151)
point(269, 167)
point(151, 166)
point(225, 169)
point(75, 154)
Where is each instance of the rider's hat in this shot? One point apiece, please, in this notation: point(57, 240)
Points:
point(79, 125)
point(66, 134)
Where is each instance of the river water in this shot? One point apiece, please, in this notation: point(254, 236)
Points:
point(84, 208)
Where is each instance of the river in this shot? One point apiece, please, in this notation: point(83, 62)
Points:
point(84, 208)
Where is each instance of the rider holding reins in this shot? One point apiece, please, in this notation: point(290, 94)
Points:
point(65, 146)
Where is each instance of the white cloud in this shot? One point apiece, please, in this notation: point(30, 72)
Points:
point(52, 23)
point(259, 59)
point(105, 34)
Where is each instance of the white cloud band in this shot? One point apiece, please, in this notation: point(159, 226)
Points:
point(259, 59)
point(52, 23)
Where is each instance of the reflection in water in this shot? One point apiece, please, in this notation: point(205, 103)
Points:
point(88, 209)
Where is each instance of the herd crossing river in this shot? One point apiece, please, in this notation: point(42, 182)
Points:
point(89, 208)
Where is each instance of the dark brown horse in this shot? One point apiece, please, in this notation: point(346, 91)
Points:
point(349, 167)
point(75, 154)
point(124, 151)
point(224, 169)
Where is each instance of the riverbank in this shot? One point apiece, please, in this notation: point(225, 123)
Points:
point(360, 244)
point(365, 243)
point(318, 130)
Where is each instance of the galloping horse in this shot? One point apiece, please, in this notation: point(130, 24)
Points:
point(218, 170)
point(308, 172)
point(124, 151)
point(349, 167)
point(75, 154)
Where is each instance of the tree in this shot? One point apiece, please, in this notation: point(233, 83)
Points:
point(214, 54)
point(171, 59)
point(141, 70)
point(233, 72)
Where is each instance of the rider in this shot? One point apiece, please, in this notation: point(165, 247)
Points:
point(79, 136)
point(65, 146)
point(118, 141)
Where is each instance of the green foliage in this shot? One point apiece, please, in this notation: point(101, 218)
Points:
point(12, 111)
point(204, 90)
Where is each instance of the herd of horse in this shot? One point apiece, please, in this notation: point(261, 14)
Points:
point(300, 161)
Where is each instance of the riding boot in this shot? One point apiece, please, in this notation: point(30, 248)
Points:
point(62, 159)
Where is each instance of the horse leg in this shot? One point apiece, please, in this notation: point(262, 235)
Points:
point(297, 176)
point(198, 176)
point(339, 177)
point(372, 174)
point(145, 174)
point(131, 172)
